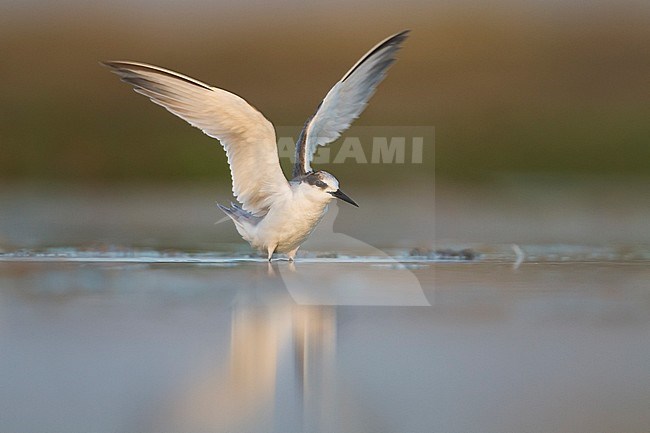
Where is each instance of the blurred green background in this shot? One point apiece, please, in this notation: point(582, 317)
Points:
point(511, 87)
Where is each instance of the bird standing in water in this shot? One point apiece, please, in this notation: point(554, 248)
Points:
point(275, 215)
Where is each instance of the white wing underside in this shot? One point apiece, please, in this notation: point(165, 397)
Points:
point(346, 101)
point(246, 135)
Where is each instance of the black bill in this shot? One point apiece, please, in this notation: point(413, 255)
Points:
point(340, 194)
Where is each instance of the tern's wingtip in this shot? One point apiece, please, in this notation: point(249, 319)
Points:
point(400, 36)
point(113, 65)
point(109, 63)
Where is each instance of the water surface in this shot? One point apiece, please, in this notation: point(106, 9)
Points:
point(108, 346)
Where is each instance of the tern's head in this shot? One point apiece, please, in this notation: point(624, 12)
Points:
point(323, 186)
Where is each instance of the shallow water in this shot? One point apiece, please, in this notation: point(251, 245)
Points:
point(110, 345)
point(116, 317)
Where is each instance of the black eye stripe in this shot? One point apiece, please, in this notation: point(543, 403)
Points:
point(313, 179)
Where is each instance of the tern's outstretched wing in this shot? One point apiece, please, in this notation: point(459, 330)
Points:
point(345, 101)
point(246, 135)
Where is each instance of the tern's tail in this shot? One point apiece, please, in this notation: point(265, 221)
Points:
point(239, 215)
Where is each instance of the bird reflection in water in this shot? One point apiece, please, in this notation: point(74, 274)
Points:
point(279, 376)
point(282, 375)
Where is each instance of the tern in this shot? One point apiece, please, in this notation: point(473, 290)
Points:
point(275, 215)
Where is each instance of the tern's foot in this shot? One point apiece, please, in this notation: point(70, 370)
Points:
point(270, 252)
point(292, 254)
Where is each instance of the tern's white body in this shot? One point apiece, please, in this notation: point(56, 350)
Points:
point(294, 215)
point(275, 215)
point(287, 224)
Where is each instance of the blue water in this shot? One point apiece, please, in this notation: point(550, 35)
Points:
point(96, 342)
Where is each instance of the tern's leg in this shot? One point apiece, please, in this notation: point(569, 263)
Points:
point(270, 251)
point(292, 254)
